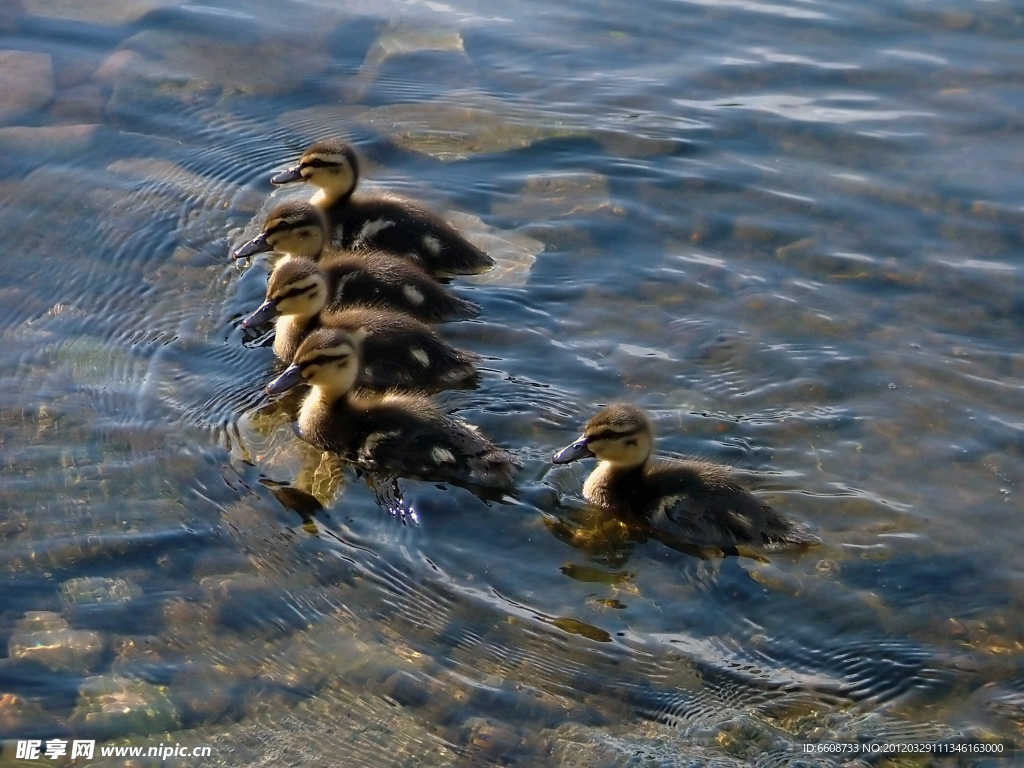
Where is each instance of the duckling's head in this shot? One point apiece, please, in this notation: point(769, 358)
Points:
point(619, 434)
point(295, 228)
point(331, 165)
point(328, 359)
point(296, 287)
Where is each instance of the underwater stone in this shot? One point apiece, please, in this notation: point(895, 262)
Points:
point(116, 64)
point(575, 746)
point(203, 693)
point(83, 103)
point(492, 739)
point(96, 11)
point(116, 706)
point(314, 123)
point(50, 142)
point(92, 590)
point(513, 252)
point(398, 55)
point(406, 689)
point(463, 125)
point(186, 65)
point(45, 638)
point(26, 82)
point(11, 12)
point(624, 143)
point(24, 719)
point(958, 20)
point(545, 196)
point(200, 202)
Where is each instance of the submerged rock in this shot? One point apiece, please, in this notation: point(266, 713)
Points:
point(94, 590)
point(11, 12)
point(26, 82)
point(117, 706)
point(186, 64)
point(405, 52)
point(463, 125)
point(57, 218)
point(198, 202)
point(82, 103)
point(45, 638)
point(546, 196)
point(94, 11)
point(23, 719)
point(315, 123)
point(493, 741)
point(513, 252)
point(53, 143)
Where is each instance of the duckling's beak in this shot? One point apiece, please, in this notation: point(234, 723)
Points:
point(258, 244)
point(291, 377)
point(266, 312)
point(287, 177)
point(577, 450)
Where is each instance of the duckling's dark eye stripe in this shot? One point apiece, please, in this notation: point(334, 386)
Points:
point(316, 162)
point(295, 292)
point(321, 359)
point(293, 222)
point(611, 434)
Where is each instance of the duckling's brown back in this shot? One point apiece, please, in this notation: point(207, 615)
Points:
point(411, 435)
point(385, 222)
point(401, 351)
point(377, 279)
point(699, 503)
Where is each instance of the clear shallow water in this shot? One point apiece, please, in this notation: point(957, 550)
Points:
point(792, 232)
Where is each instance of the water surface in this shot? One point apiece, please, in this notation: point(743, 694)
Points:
point(790, 231)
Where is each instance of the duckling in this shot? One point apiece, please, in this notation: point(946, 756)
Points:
point(381, 220)
point(370, 278)
point(297, 294)
point(692, 501)
point(401, 434)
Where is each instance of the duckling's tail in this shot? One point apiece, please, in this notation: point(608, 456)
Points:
point(462, 368)
point(478, 264)
point(463, 309)
point(496, 468)
point(797, 536)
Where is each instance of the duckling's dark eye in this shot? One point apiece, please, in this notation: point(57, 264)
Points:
point(317, 163)
point(631, 442)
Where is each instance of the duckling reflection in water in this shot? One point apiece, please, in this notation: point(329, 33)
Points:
point(381, 221)
point(689, 502)
point(398, 350)
point(392, 433)
point(370, 278)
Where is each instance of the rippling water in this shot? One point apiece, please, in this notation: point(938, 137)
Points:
point(790, 231)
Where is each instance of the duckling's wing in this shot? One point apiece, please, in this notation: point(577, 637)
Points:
point(406, 228)
point(415, 290)
point(379, 279)
point(400, 354)
point(699, 503)
point(694, 518)
point(433, 444)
